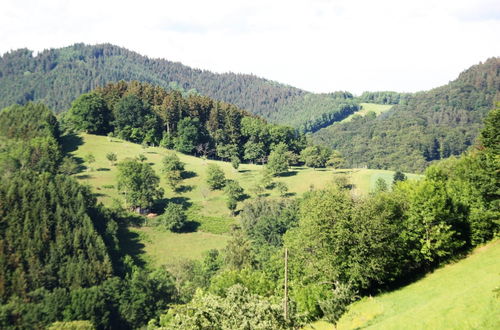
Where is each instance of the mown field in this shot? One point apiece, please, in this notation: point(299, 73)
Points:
point(367, 107)
point(458, 296)
point(206, 208)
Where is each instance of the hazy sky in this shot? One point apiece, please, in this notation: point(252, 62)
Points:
point(317, 45)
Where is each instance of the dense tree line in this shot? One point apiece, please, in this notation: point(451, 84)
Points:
point(341, 247)
point(386, 97)
point(61, 257)
point(57, 76)
point(192, 124)
point(425, 127)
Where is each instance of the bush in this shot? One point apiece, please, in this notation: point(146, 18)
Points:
point(173, 219)
point(215, 177)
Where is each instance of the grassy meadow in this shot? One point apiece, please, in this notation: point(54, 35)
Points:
point(206, 208)
point(367, 107)
point(456, 296)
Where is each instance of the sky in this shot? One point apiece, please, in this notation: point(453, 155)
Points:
point(316, 45)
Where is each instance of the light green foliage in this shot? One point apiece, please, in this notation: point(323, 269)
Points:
point(239, 309)
point(257, 282)
point(216, 178)
point(380, 185)
point(235, 162)
point(234, 193)
point(335, 160)
point(89, 159)
point(452, 297)
point(282, 188)
point(266, 220)
point(173, 218)
point(433, 225)
point(72, 325)
point(139, 183)
point(365, 108)
point(278, 161)
point(238, 252)
point(172, 169)
point(315, 156)
point(68, 166)
point(112, 158)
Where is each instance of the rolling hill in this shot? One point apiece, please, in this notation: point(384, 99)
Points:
point(57, 76)
point(423, 127)
point(463, 295)
point(205, 207)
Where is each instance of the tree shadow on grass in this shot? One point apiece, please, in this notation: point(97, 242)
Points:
point(184, 189)
point(70, 142)
point(287, 174)
point(290, 194)
point(188, 174)
point(130, 244)
point(190, 227)
point(160, 204)
point(83, 176)
point(103, 169)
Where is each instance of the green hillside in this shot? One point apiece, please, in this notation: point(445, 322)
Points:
point(205, 207)
point(366, 108)
point(456, 296)
point(422, 127)
point(57, 76)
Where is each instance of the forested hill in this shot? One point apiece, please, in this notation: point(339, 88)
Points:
point(423, 127)
point(57, 76)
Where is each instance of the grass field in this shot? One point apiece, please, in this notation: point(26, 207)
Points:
point(205, 207)
point(367, 107)
point(457, 296)
point(165, 247)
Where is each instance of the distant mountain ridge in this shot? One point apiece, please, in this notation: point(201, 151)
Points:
point(57, 76)
point(423, 127)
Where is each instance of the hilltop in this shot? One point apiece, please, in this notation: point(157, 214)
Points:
point(422, 127)
point(57, 76)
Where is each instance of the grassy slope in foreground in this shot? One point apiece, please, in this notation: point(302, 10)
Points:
point(367, 107)
point(457, 296)
point(208, 208)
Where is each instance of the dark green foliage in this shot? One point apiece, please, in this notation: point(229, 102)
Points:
point(398, 176)
point(174, 218)
point(134, 121)
point(384, 97)
point(29, 121)
point(191, 124)
point(216, 178)
point(138, 181)
point(58, 76)
point(266, 220)
point(51, 235)
point(89, 113)
point(188, 135)
point(40, 154)
point(490, 135)
point(423, 127)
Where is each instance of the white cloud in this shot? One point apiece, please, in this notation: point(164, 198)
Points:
point(317, 45)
